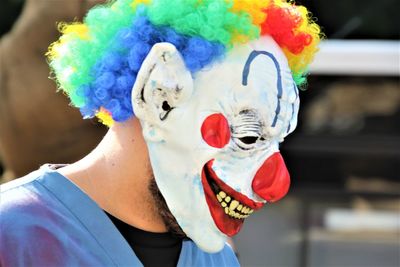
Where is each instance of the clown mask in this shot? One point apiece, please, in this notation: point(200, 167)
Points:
point(213, 136)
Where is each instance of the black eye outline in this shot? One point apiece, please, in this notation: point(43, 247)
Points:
point(248, 140)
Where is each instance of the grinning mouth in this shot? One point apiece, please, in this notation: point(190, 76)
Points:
point(228, 207)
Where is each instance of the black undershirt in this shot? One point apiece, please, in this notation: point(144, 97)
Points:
point(152, 249)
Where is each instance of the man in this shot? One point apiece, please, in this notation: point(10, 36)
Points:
point(198, 95)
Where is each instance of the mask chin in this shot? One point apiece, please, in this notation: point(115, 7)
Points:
point(166, 215)
point(182, 195)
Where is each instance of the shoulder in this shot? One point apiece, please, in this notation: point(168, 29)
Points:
point(22, 194)
point(19, 182)
point(26, 205)
point(21, 201)
point(31, 222)
point(18, 194)
point(225, 257)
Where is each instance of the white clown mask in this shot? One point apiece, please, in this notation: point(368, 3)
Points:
point(213, 137)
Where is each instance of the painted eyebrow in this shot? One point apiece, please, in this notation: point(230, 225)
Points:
point(245, 75)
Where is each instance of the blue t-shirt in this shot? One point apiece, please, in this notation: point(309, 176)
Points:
point(46, 220)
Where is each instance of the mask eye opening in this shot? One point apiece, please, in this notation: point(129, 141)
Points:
point(248, 140)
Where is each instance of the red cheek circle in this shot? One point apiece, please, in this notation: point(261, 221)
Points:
point(215, 130)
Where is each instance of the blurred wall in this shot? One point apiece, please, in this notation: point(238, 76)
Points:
point(36, 124)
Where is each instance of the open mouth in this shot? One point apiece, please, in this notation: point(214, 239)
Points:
point(228, 207)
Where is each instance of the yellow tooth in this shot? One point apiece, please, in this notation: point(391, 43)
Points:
point(231, 213)
point(227, 199)
point(239, 208)
point(223, 204)
point(251, 211)
point(245, 210)
point(233, 204)
point(219, 198)
point(226, 210)
point(222, 194)
point(240, 216)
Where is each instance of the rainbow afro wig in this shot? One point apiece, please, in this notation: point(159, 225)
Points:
point(96, 62)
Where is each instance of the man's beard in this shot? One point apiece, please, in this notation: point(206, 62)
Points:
point(166, 215)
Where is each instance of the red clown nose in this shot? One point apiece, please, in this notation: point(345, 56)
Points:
point(272, 180)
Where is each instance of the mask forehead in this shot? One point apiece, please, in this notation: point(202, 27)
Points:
point(253, 76)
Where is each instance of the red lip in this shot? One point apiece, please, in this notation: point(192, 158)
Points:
point(226, 224)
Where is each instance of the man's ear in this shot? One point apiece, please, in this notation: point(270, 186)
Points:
point(162, 84)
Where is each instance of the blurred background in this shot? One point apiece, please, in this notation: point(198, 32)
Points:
point(343, 208)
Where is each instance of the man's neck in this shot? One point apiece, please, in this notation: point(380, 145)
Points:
point(116, 175)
